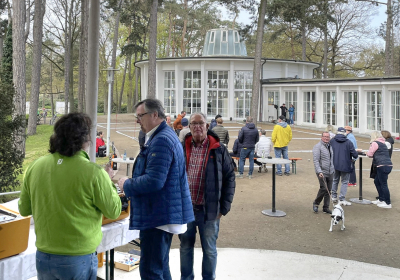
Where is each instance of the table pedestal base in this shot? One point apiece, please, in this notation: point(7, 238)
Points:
point(362, 201)
point(277, 213)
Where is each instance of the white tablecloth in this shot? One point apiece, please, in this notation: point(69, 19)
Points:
point(23, 265)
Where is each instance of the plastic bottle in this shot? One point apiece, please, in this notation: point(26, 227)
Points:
point(125, 155)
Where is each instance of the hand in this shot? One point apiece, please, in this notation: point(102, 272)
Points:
point(219, 216)
point(121, 182)
point(321, 175)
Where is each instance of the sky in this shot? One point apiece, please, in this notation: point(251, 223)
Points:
point(244, 17)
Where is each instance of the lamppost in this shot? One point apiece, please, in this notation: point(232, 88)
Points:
point(110, 79)
point(388, 39)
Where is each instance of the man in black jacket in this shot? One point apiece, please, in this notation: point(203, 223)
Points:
point(212, 186)
point(248, 137)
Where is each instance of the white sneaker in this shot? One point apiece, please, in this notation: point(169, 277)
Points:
point(376, 202)
point(384, 205)
point(345, 203)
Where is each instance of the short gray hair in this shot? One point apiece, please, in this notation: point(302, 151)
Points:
point(263, 132)
point(152, 105)
point(199, 114)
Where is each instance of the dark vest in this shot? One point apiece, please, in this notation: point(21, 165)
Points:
point(381, 155)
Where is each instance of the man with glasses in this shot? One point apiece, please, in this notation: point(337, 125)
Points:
point(212, 186)
point(323, 164)
point(158, 190)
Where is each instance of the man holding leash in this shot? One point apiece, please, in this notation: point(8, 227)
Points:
point(323, 164)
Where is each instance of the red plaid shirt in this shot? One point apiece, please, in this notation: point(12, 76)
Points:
point(195, 171)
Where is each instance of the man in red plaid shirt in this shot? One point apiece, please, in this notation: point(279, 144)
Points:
point(212, 185)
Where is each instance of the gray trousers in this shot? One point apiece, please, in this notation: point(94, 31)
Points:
point(345, 181)
point(323, 192)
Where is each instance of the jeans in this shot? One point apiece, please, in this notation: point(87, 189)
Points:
point(208, 232)
point(284, 153)
point(345, 180)
point(381, 185)
point(52, 267)
point(244, 153)
point(154, 254)
point(323, 192)
point(353, 177)
point(291, 119)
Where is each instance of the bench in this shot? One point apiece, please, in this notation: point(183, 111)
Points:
point(260, 168)
point(294, 160)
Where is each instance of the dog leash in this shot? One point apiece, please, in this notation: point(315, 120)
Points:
point(326, 186)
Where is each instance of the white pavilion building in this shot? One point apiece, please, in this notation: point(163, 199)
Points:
point(220, 82)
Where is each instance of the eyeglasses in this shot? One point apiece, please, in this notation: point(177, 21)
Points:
point(197, 124)
point(139, 116)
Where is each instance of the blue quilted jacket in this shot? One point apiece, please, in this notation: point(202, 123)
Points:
point(159, 189)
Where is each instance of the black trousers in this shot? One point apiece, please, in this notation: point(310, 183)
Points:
point(323, 192)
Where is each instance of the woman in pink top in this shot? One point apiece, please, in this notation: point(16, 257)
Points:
point(383, 165)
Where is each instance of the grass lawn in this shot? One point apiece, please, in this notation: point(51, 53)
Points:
point(36, 146)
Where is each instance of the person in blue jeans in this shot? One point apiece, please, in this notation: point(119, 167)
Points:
point(158, 190)
point(291, 113)
point(248, 137)
point(281, 136)
point(212, 187)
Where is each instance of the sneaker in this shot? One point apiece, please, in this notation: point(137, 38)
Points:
point(350, 185)
point(265, 169)
point(260, 169)
point(327, 211)
point(384, 205)
point(334, 199)
point(279, 174)
point(345, 203)
point(239, 175)
point(287, 173)
point(315, 208)
point(376, 202)
point(250, 176)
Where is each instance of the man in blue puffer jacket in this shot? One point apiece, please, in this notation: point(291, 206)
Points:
point(343, 154)
point(158, 190)
point(248, 137)
point(212, 186)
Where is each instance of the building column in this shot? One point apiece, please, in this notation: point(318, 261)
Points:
point(386, 109)
point(300, 107)
point(362, 110)
point(178, 89)
point(339, 107)
point(231, 90)
point(319, 107)
point(203, 88)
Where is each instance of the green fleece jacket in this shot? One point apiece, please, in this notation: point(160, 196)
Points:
point(67, 196)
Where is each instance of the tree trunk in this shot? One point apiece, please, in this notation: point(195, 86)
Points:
point(388, 39)
point(83, 49)
point(66, 59)
point(257, 62)
point(129, 105)
point(185, 20)
point(325, 74)
point(114, 50)
point(122, 85)
point(19, 100)
point(151, 90)
point(40, 6)
point(169, 35)
point(303, 43)
point(136, 96)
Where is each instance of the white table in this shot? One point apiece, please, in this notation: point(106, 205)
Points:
point(127, 162)
point(273, 212)
point(23, 265)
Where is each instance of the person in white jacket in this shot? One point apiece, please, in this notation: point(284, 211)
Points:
point(263, 147)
